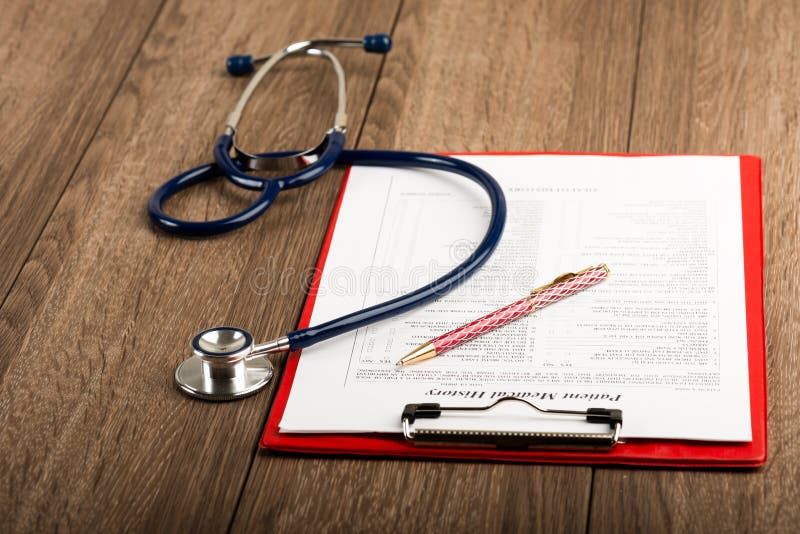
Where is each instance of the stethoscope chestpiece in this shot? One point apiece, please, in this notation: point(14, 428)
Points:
point(223, 366)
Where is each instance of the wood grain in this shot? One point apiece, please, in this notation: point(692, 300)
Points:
point(62, 63)
point(94, 434)
point(98, 309)
point(515, 76)
point(303, 494)
point(722, 78)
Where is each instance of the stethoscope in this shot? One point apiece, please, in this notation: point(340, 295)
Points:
point(226, 364)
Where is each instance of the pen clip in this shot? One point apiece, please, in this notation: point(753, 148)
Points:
point(567, 276)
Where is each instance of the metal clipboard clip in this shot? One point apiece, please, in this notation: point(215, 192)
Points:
point(511, 439)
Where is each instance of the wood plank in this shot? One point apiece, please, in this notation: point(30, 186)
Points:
point(62, 64)
point(488, 77)
point(721, 78)
point(93, 432)
point(366, 495)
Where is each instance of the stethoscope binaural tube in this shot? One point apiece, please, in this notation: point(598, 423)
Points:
point(323, 156)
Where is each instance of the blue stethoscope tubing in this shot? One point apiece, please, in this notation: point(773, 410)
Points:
point(306, 337)
point(386, 158)
point(228, 167)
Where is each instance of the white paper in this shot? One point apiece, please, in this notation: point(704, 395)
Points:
point(663, 338)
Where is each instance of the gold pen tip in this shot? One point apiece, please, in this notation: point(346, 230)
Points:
point(423, 352)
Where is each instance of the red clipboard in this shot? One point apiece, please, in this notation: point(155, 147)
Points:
point(675, 453)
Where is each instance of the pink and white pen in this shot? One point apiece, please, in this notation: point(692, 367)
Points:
point(563, 286)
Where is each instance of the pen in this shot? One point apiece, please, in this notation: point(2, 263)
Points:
point(565, 285)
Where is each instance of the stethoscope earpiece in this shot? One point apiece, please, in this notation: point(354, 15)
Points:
point(240, 65)
point(377, 43)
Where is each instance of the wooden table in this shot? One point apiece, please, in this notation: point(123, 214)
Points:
point(100, 101)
